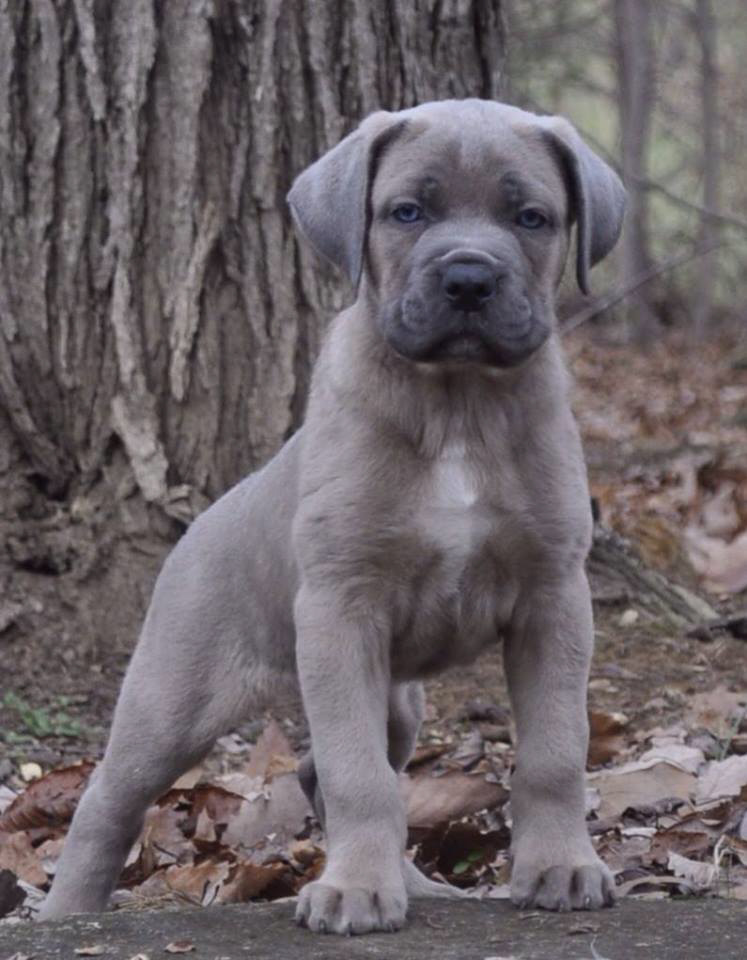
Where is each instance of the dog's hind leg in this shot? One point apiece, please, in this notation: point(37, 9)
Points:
point(406, 710)
point(179, 695)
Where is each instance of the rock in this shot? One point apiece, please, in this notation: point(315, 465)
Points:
point(471, 930)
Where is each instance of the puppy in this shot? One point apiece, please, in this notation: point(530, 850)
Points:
point(434, 504)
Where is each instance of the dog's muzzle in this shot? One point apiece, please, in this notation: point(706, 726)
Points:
point(466, 306)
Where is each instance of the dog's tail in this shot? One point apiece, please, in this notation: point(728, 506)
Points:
point(419, 886)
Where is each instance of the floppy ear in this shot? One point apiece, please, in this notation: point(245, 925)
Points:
point(597, 195)
point(330, 199)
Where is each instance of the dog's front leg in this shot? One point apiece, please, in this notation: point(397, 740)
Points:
point(343, 665)
point(547, 661)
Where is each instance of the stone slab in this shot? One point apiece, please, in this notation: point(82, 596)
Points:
point(436, 930)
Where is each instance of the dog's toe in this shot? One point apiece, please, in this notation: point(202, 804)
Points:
point(350, 911)
point(592, 888)
point(584, 887)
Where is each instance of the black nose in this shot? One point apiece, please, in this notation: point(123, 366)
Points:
point(469, 286)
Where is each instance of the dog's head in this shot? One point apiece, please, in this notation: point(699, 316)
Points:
point(453, 220)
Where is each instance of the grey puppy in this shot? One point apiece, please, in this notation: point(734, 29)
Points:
point(433, 504)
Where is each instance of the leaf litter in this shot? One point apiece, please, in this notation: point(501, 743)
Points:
point(667, 820)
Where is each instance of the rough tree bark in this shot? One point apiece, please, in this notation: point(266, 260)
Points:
point(157, 322)
point(636, 84)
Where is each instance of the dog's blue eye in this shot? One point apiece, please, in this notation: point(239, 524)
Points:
point(407, 213)
point(531, 219)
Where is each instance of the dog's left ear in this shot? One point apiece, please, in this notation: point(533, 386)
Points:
point(330, 199)
point(597, 195)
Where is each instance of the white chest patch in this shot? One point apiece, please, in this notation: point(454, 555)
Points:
point(455, 486)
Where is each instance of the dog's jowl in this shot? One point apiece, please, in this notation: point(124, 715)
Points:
point(433, 504)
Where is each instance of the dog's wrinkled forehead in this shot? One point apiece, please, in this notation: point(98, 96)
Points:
point(472, 166)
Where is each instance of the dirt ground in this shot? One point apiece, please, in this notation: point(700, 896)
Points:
point(641, 413)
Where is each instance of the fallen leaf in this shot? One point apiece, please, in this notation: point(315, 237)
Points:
point(18, 856)
point(272, 753)
point(605, 736)
point(282, 811)
point(179, 946)
point(199, 883)
point(640, 784)
point(585, 926)
point(434, 800)
point(722, 778)
point(7, 796)
point(702, 876)
point(716, 710)
point(163, 841)
point(189, 779)
point(690, 839)
point(306, 852)
point(247, 880)
point(49, 801)
point(688, 758)
point(722, 565)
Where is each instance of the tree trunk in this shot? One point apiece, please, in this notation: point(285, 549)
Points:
point(705, 28)
point(157, 322)
point(635, 71)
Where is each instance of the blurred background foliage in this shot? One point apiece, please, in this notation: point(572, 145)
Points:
point(659, 89)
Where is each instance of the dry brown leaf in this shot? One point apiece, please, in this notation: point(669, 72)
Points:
point(689, 839)
point(283, 812)
point(49, 801)
point(247, 880)
point(271, 746)
point(18, 856)
point(433, 800)
point(306, 852)
point(179, 946)
point(163, 841)
point(189, 779)
point(638, 785)
point(198, 882)
point(606, 738)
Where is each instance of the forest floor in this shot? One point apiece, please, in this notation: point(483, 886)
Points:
point(665, 435)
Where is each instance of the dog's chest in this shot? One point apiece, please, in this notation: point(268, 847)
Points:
point(454, 482)
point(456, 600)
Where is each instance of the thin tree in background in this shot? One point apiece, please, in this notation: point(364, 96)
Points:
point(705, 28)
point(636, 84)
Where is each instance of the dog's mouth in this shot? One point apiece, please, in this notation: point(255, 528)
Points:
point(500, 338)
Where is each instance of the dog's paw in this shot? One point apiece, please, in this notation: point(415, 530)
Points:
point(324, 908)
point(582, 886)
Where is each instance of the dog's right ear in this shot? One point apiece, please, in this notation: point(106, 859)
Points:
point(330, 199)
